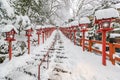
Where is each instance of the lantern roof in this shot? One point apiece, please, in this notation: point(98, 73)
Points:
point(84, 20)
point(106, 13)
point(8, 28)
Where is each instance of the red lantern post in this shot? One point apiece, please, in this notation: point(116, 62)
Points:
point(43, 35)
point(10, 37)
point(104, 22)
point(84, 22)
point(83, 30)
point(29, 34)
point(38, 33)
point(104, 27)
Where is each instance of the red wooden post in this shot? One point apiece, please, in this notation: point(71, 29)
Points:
point(28, 44)
point(83, 41)
point(90, 45)
point(43, 37)
point(104, 47)
point(74, 37)
point(111, 52)
point(10, 50)
point(38, 38)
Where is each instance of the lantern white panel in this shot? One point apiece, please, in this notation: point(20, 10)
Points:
point(106, 13)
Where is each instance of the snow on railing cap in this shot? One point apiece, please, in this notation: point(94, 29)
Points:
point(84, 20)
point(106, 13)
point(48, 26)
point(8, 28)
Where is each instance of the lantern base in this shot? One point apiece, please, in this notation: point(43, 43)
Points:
point(9, 39)
point(83, 30)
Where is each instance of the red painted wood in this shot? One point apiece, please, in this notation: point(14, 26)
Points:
point(28, 44)
point(10, 50)
point(104, 47)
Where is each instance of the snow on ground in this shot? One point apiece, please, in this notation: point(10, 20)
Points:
point(67, 62)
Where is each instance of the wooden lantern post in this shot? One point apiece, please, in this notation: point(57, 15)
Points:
point(38, 33)
point(83, 23)
point(10, 31)
point(103, 23)
point(43, 35)
point(83, 30)
point(10, 38)
point(29, 34)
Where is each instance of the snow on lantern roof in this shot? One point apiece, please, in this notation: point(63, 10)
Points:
point(38, 27)
point(74, 23)
point(106, 13)
point(29, 27)
point(84, 20)
point(8, 28)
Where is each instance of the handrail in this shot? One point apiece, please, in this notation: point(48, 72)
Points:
point(46, 55)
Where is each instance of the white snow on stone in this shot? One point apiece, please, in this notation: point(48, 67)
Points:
point(25, 20)
point(8, 28)
point(84, 20)
point(106, 13)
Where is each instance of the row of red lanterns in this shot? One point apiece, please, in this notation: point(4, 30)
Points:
point(103, 23)
point(10, 36)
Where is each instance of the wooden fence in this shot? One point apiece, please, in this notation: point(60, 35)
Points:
point(111, 53)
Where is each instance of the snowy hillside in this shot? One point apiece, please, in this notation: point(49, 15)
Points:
point(43, 39)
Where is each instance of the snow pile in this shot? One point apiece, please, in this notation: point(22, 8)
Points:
point(24, 20)
point(9, 9)
point(106, 13)
point(84, 20)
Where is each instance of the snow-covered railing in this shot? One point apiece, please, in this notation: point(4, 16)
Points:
point(110, 54)
point(46, 56)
